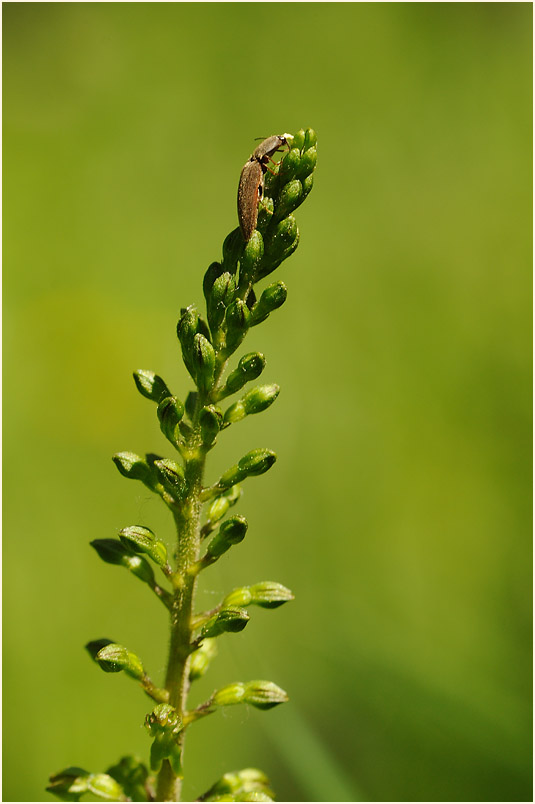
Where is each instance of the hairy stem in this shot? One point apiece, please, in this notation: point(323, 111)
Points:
point(188, 532)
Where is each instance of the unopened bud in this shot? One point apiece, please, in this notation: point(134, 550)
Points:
point(229, 695)
point(170, 412)
point(232, 531)
point(150, 385)
point(251, 257)
point(267, 594)
point(134, 467)
point(264, 694)
point(210, 420)
point(172, 477)
point(237, 323)
point(69, 784)
point(203, 358)
point(307, 163)
point(255, 462)
point(220, 297)
point(226, 620)
point(219, 507)
point(113, 658)
point(249, 368)
point(273, 297)
point(212, 272)
point(291, 196)
point(113, 551)
point(143, 540)
point(201, 658)
point(248, 781)
point(104, 786)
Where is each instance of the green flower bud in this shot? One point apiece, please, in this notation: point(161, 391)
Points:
point(307, 163)
point(267, 594)
point(219, 507)
point(257, 462)
point(113, 658)
point(298, 140)
point(232, 250)
point(231, 620)
point(191, 403)
point(69, 784)
point(172, 477)
point(250, 259)
point(212, 272)
point(203, 359)
point(237, 323)
point(256, 795)
point(96, 645)
point(210, 420)
point(273, 297)
point(265, 213)
point(103, 786)
point(201, 658)
point(232, 531)
point(290, 165)
point(220, 297)
point(310, 138)
point(230, 695)
point(113, 552)
point(132, 775)
point(190, 324)
point(264, 694)
point(143, 540)
point(150, 385)
point(249, 368)
point(134, 467)
point(291, 196)
point(307, 185)
point(244, 782)
point(170, 412)
point(255, 401)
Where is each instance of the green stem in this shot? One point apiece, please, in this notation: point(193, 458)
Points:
point(187, 521)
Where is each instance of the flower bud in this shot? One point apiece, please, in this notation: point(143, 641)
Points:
point(150, 385)
point(97, 644)
point(232, 531)
point(232, 250)
point(104, 786)
point(257, 462)
point(307, 163)
point(290, 165)
point(307, 185)
point(220, 297)
point(264, 694)
point(191, 403)
point(310, 138)
point(113, 658)
point(298, 140)
point(229, 695)
point(143, 540)
point(251, 257)
point(212, 272)
point(273, 296)
point(249, 368)
point(255, 795)
point(203, 360)
point(231, 620)
point(189, 325)
point(291, 196)
point(210, 420)
point(219, 507)
point(237, 322)
point(254, 401)
point(239, 783)
point(131, 774)
point(134, 467)
point(170, 412)
point(69, 784)
point(267, 594)
point(201, 658)
point(113, 552)
point(172, 477)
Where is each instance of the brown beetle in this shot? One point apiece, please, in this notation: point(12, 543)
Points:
point(251, 186)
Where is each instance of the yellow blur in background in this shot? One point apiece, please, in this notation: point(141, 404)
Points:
point(399, 511)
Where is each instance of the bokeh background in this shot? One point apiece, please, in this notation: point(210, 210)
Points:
point(399, 511)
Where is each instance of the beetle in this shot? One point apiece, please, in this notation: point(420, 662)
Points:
point(251, 186)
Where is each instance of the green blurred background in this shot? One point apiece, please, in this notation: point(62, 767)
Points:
point(399, 511)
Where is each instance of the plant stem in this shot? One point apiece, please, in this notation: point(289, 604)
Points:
point(187, 520)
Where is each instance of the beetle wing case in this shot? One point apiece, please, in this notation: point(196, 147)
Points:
point(249, 193)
